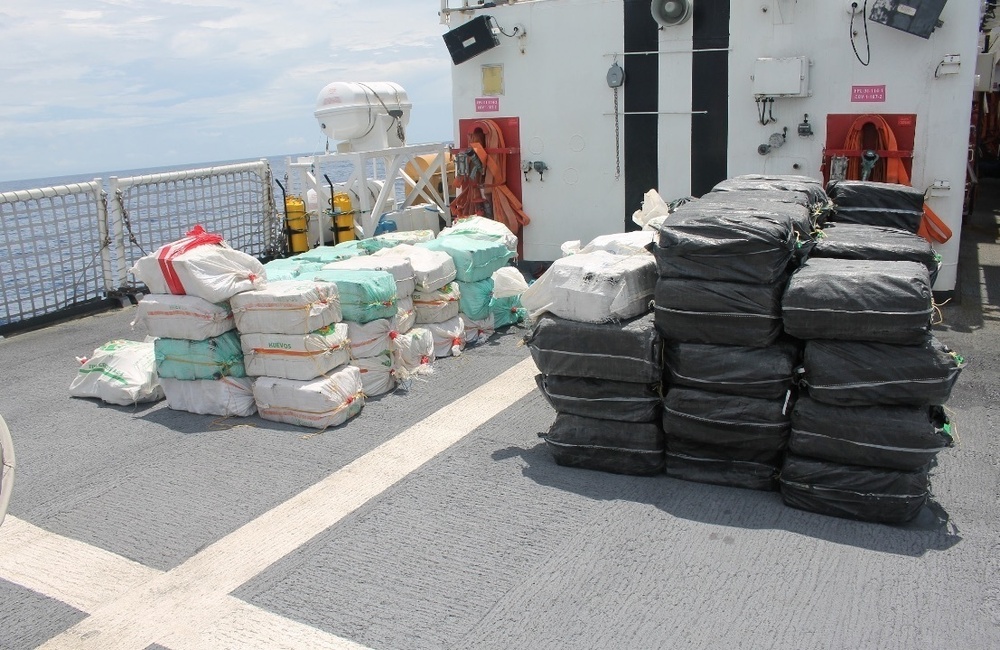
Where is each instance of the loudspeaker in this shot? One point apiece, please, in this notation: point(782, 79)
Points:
point(471, 39)
point(669, 13)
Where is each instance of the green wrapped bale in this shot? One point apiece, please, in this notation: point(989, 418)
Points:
point(327, 254)
point(475, 259)
point(475, 298)
point(365, 295)
point(213, 358)
point(508, 311)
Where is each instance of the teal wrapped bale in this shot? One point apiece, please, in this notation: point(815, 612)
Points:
point(475, 259)
point(289, 268)
point(475, 298)
point(478, 227)
point(364, 295)
point(327, 254)
point(213, 358)
point(393, 239)
point(508, 311)
point(285, 269)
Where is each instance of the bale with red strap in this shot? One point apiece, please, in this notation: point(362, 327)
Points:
point(200, 264)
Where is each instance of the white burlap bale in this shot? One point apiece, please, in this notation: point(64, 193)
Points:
point(296, 356)
point(594, 287)
point(183, 317)
point(202, 265)
point(406, 315)
point(449, 337)
point(622, 243)
point(229, 396)
point(370, 339)
point(431, 269)
point(477, 331)
point(437, 306)
point(508, 282)
point(319, 403)
point(413, 352)
point(287, 307)
point(377, 373)
point(119, 372)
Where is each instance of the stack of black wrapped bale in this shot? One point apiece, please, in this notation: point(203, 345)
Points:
point(800, 190)
point(850, 241)
point(877, 204)
point(868, 424)
point(603, 379)
point(723, 264)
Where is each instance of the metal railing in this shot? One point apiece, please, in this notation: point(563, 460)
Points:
point(235, 201)
point(54, 250)
point(69, 247)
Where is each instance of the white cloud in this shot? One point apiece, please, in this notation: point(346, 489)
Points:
point(108, 84)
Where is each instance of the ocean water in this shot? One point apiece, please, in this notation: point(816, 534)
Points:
point(277, 170)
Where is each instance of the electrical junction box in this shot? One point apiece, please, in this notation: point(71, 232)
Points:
point(785, 77)
point(917, 17)
point(985, 72)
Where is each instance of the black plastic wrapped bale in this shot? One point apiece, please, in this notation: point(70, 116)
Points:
point(811, 188)
point(735, 370)
point(605, 445)
point(726, 427)
point(850, 373)
point(708, 242)
point(721, 313)
point(601, 398)
point(731, 473)
point(877, 204)
point(891, 437)
point(627, 351)
point(805, 216)
point(854, 300)
point(880, 495)
point(853, 241)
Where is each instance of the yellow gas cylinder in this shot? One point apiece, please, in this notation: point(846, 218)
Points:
point(343, 217)
point(296, 225)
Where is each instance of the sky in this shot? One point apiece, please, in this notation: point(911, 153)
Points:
point(92, 86)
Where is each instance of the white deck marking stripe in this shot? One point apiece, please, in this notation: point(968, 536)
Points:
point(191, 597)
point(78, 574)
point(85, 576)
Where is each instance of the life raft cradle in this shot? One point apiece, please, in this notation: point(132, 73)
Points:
point(890, 168)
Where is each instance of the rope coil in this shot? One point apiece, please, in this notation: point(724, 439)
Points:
point(484, 183)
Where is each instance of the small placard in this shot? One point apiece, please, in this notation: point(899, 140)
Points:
point(868, 93)
point(487, 104)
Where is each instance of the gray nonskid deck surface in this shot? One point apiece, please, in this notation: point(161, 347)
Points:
point(505, 549)
point(28, 619)
point(155, 485)
point(492, 545)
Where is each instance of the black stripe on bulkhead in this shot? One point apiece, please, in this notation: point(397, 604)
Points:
point(641, 94)
point(710, 92)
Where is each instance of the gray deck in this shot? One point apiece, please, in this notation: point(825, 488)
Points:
point(492, 545)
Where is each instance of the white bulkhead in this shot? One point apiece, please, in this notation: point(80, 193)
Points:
point(732, 88)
